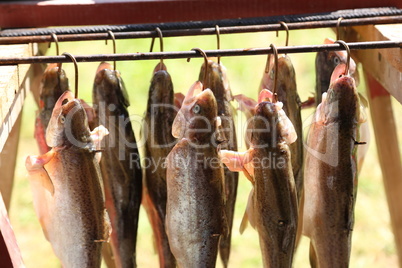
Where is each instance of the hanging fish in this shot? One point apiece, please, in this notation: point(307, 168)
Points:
point(331, 173)
point(325, 63)
point(195, 209)
point(272, 206)
point(66, 185)
point(157, 129)
point(286, 91)
point(54, 83)
point(216, 80)
point(120, 163)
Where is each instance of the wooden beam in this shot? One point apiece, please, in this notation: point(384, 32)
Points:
point(10, 255)
point(388, 154)
point(67, 13)
point(385, 65)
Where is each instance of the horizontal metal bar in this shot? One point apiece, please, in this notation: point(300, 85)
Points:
point(202, 31)
point(195, 54)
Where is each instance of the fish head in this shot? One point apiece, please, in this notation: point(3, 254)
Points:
point(326, 62)
point(109, 88)
point(161, 89)
point(216, 80)
point(68, 124)
point(342, 100)
point(53, 84)
point(197, 118)
point(271, 125)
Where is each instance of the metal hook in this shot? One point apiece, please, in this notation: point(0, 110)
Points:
point(275, 52)
point(76, 71)
point(338, 24)
point(110, 33)
point(202, 52)
point(56, 41)
point(287, 31)
point(218, 40)
point(348, 56)
point(159, 32)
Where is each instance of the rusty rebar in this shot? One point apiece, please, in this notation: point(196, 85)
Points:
point(196, 54)
point(203, 31)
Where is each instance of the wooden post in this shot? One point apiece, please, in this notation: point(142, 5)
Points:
point(388, 154)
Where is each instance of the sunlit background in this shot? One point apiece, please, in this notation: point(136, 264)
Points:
point(372, 244)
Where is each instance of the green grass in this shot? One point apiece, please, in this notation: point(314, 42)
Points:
point(373, 244)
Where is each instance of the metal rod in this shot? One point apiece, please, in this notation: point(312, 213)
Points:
point(195, 54)
point(203, 31)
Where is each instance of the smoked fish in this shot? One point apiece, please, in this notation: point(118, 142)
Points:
point(66, 185)
point(120, 163)
point(216, 80)
point(159, 141)
point(53, 84)
point(331, 173)
point(195, 212)
point(272, 208)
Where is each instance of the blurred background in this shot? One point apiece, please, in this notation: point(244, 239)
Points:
point(372, 244)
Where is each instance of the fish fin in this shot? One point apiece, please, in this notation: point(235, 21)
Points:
point(107, 226)
point(178, 99)
point(265, 95)
point(313, 256)
point(107, 254)
point(97, 136)
point(35, 166)
point(248, 214)
point(246, 104)
point(364, 136)
point(310, 102)
point(244, 223)
point(287, 129)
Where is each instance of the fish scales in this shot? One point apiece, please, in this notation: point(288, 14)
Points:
point(120, 166)
point(159, 142)
point(331, 176)
point(217, 81)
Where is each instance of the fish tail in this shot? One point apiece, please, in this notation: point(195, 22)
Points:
point(313, 256)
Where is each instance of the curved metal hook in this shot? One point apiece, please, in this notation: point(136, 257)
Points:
point(202, 52)
point(56, 41)
point(338, 24)
point(110, 33)
point(218, 40)
point(159, 32)
point(348, 56)
point(275, 52)
point(76, 72)
point(287, 31)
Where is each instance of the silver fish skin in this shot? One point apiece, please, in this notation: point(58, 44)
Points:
point(331, 175)
point(195, 202)
point(120, 163)
point(161, 111)
point(216, 80)
point(66, 184)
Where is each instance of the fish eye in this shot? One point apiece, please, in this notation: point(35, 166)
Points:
point(62, 119)
point(197, 109)
point(336, 60)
